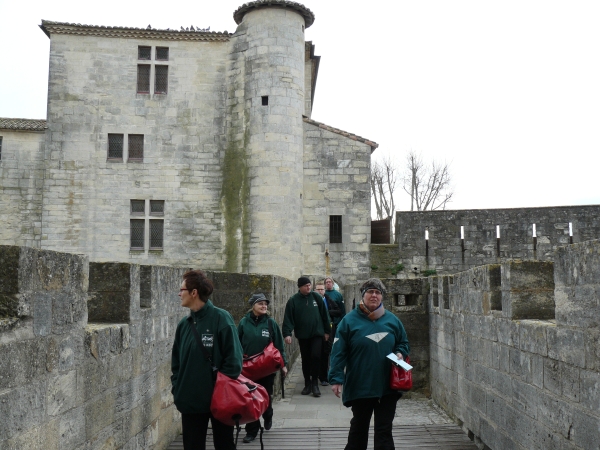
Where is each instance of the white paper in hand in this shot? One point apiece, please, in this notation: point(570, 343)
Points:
point(399, 362)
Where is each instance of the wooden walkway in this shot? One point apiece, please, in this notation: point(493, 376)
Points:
point(419, 437)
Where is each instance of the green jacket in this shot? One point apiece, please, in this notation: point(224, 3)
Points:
point(339, 301)
point(192, 377)
point(254, 335)
point(360, 347)
point(306, 316)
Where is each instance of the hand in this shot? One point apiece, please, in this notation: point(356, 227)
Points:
point(337, 389)
point(288, 339)
point(284, 370)
point(326, 337)
point(400, 357)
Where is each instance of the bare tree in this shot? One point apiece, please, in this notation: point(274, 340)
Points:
point(384, 178)
point(429, 185)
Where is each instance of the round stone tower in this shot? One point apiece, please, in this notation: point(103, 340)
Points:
point(271, 36)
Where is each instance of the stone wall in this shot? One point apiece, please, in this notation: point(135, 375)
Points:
point(447, 254)
point(21, 187)
point(515, 351)
point(85, 348)
point(336, 182)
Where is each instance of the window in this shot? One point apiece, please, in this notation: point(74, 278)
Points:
point(150, 73)
point(161, 79)
point(335, 229)
point(136, 147)
point(144, 52)
point(115, 146)
point(0, 148)
point(265, 100)
point(147, 219)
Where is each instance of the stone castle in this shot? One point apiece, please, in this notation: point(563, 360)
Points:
point(189, 147)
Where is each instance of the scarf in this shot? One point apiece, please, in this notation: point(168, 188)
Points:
point(373, 315)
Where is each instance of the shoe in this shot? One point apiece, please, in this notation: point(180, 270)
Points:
point(315, 390)
point(268, 424)
point(306, 389)
point(324, 383)
point(248, 438)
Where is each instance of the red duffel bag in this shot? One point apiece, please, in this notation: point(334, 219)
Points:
point(400, 379)
point(263, 364)
point(239, 401)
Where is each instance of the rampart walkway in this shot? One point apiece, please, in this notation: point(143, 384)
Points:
point(304, 422)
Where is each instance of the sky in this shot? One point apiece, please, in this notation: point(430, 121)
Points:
point(507, 92)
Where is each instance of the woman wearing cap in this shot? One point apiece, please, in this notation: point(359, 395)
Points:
point(363, 339)
point(254, 334)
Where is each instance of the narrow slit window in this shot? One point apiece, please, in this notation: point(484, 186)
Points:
point(0, 148)
point(162, 53)
point(144, 52)
point(161, 79)
point(156, 234)
point(265, 100)
point(143, 79)
point(335, 229)
point(136, 147)
point(137, 234)
point(115, 146)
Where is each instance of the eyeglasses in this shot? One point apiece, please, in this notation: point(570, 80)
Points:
point(374, 292)
point(184, 289)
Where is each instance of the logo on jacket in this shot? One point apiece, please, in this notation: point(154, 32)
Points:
point(207, 340)
point(265, 333)
point(315, 303)
point(377, 336)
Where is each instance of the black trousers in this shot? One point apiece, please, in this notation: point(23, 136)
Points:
point(310, 350)
point(324, 366)
point(252, 428)
point(362, 410)
point(195, 427)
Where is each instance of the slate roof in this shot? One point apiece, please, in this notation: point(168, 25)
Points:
point(22, 124)
point(308, 15)
point(354, 137)
point(50, 28)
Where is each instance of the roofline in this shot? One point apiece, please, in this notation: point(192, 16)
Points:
point(49, 28)
point(9, 123)
point(309, 16)
point(354, 137)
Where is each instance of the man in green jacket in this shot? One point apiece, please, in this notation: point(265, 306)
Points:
point(306, 315)
point(192, 375)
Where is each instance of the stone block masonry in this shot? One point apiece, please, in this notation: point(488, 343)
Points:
point(523, 372)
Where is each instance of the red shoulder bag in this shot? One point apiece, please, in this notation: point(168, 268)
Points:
point(265, 363)
point(400, 379)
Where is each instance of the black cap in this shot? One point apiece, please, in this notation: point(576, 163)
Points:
point(257, 298)
point(303, 281)
point(372, 283)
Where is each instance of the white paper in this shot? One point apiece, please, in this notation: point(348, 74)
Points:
point(399, 362)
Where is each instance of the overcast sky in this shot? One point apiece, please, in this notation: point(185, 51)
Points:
point(508, 92)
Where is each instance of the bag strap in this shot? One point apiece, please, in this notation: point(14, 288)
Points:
point(202, 347)
point(270, 322)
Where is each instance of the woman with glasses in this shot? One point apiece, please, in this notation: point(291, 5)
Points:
point(359, 364)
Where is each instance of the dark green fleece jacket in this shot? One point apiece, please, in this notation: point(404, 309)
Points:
point(254, 335)
point(306, 316)
point(192, 377)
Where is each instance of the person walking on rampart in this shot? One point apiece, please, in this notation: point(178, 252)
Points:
point(359, 363)
point(306, 315)
point(336, 313)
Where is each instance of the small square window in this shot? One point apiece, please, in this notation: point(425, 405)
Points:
point(137, 234)
point(136, 147)
point(143, 79)
point(115, 146)
point(157, 207)
point(156, 234)
point(161, 79)
point(265, 100)
point(138, 207)
point(144, 52)
point(162, 53)
point(335, 229)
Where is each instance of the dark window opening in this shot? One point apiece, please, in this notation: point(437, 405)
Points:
point(335, 229)
point(156, 234)
point(136, 147)
point(0, 148)
point(138, 207)
point(162, 53)
point(144, 52)
point(265, 100)
point(137, 234)
point(115, 146)
point(161, 79)
point(157, 207)
point(143, 79)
